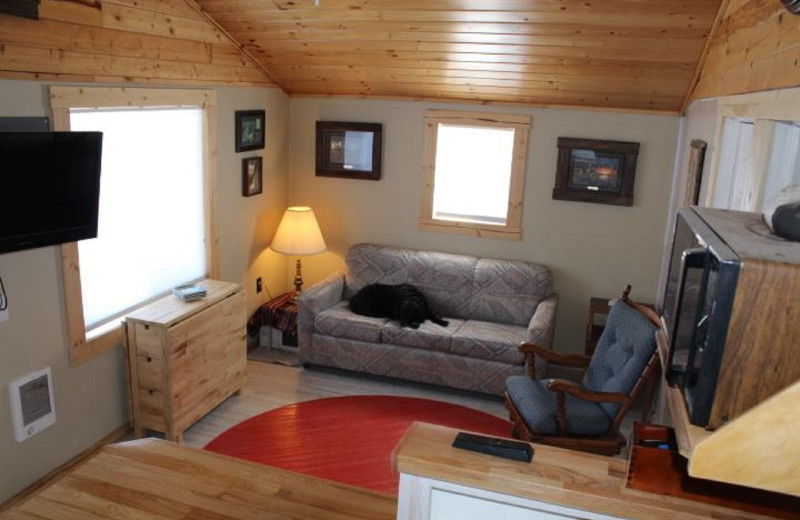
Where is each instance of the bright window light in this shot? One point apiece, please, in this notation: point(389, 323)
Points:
point(473, 174)
point(151, 231)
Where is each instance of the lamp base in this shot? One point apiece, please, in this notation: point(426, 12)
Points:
point(298, 280)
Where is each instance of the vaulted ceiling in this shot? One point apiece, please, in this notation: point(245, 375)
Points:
point(628, 54)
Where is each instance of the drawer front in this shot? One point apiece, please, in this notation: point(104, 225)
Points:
point(150, 340)
point(151, 409)
point(150, 373)
point(208, 359)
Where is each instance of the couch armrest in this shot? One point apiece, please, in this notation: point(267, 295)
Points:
point(540, 329)
point(314, 300)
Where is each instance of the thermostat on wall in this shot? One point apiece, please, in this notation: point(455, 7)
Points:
point(32, 405)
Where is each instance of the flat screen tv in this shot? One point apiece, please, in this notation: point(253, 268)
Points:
point(49, 188)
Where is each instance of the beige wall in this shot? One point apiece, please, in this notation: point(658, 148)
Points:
point(593, 249)
point(90, 399)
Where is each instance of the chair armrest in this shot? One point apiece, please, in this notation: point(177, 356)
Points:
point(532, 351)
point(574, 389)
point(316, 299)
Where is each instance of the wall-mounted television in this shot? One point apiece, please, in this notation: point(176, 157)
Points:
point(49, 188)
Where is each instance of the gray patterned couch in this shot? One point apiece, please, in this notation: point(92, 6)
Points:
point(492, 306)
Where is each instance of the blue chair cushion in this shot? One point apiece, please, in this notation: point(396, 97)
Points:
point(622, 353)
point(537, 405)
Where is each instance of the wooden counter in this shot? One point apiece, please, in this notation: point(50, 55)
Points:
point(562, 478)
point(150, 478)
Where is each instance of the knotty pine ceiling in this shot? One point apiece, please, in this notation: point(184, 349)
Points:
point(626, 54)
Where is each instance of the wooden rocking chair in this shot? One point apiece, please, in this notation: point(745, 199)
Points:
point(587, 416)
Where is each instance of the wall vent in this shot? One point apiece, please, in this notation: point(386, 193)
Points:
point(32, 405)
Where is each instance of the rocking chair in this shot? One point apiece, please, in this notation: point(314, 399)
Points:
point(587, 416)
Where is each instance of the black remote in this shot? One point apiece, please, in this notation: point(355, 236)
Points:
point(514, 450)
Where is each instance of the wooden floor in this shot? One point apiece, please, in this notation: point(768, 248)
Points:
point(271, 386)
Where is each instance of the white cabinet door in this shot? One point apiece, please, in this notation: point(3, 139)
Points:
point(428, 499)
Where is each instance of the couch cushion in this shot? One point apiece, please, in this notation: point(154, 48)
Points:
point(445, 279)
point(487, 340)
point(508, 291)
point(428, 336)
point(537, 405)
point(371, 263)
point(341, 322)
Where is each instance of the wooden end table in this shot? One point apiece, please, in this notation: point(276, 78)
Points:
point(278, 321)
point(596, 322)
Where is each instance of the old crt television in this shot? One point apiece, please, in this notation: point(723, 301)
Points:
point(49, 188)
point(731, 313)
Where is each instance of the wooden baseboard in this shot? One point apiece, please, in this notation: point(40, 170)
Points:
point(115, 436)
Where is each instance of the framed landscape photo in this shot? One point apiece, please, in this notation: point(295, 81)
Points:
point(251, 176)
point(250, 130)
point(349, 150)
point(593, 170)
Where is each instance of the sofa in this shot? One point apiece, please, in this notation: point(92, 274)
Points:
point(492, 306)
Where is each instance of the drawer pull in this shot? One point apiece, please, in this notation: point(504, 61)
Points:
point(151, 392)
point(149, 359)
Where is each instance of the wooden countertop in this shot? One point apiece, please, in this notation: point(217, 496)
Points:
point(562, 477)
point(151, 478)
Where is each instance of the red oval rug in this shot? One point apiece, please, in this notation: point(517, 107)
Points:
point(347, 439)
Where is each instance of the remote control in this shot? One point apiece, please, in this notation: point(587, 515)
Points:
point(513, 450)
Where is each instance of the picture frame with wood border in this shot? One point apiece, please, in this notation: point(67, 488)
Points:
point(594, 170)
point(252, 181)
point(250, 126)
point(349, 150)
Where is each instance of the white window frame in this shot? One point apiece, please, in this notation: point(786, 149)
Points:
point(764, 109)
point(86, 344)
point(521, 124)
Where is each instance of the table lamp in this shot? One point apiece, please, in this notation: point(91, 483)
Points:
point(299, 235)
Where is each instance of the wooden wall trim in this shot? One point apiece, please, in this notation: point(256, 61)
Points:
point(756, 47)
point(197, 7)
point(723, 7)
point(124, 41)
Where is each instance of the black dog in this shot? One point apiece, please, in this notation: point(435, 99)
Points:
point(404, 303)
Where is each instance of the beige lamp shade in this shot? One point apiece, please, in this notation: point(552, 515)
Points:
point(298, 233)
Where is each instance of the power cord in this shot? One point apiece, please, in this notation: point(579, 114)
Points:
point(3, 297)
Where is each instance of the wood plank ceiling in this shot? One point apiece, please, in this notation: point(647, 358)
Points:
point(624, 54)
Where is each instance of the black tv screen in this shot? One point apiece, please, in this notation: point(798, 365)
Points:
point(49, 188)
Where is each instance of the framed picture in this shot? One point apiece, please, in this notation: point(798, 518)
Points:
point(349, 150)
point(251, 176)
point(250, 130)
point(592, 170)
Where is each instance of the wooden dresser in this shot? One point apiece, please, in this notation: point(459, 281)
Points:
point(185, 358)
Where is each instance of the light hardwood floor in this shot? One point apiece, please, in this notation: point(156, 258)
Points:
point(271, 386)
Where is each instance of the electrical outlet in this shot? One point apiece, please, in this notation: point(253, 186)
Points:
point(3, 316)
point(259, 285)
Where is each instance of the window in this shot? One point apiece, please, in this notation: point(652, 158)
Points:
point(758, 149)
point(156, 185)
point(474, 173)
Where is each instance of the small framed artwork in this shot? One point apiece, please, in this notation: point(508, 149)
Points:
point(593, 170)
point(250, 130)
point(251, 176)
point(349, 150)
